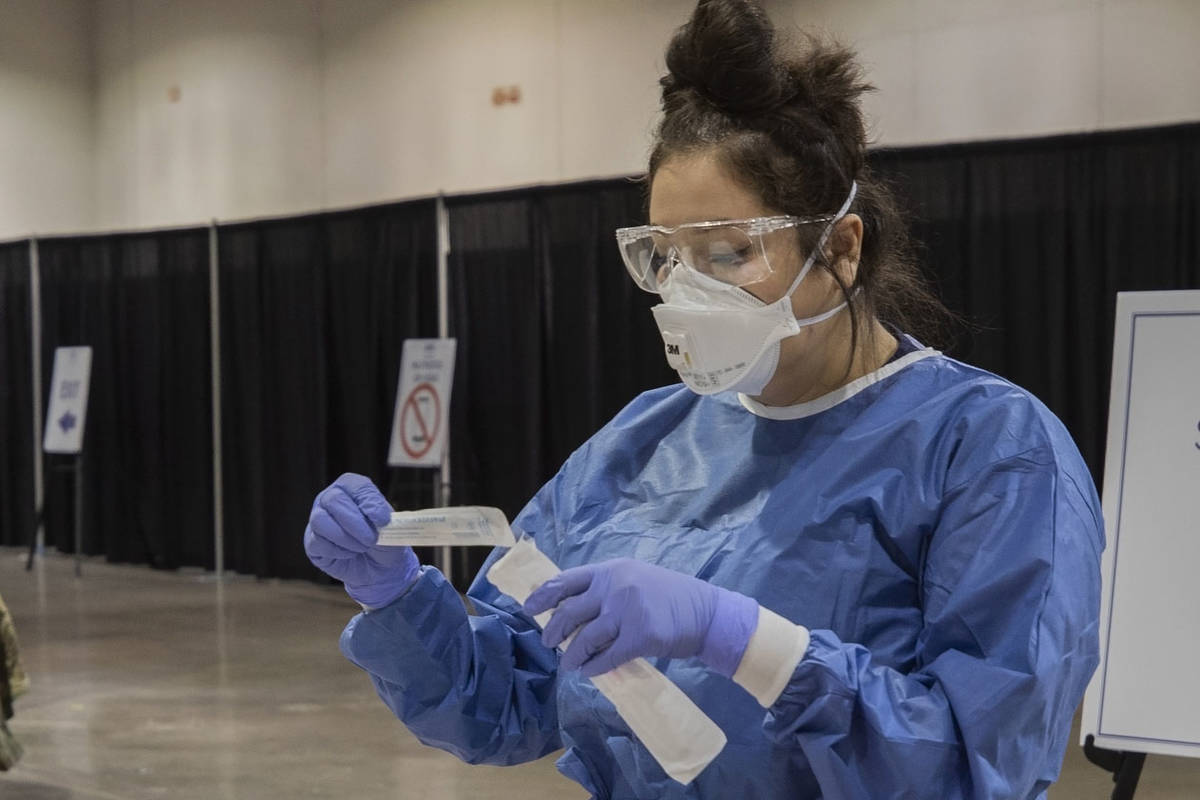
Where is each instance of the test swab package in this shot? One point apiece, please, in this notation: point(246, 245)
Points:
point(459, 526)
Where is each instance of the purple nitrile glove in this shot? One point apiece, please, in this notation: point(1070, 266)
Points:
point(340, 541)
point(630, 609)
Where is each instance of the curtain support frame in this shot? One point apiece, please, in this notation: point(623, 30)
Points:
point(214, 323)
point(38, 540)
point(442, 493)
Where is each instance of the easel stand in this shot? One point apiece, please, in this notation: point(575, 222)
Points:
point(1125, 766)
point(39, 522)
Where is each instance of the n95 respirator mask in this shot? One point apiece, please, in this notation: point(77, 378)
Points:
point(720, 337)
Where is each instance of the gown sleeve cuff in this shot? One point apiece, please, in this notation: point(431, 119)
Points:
point(367, 609)
point(775, 649)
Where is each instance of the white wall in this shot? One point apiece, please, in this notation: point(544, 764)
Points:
point(243, 138)
point(287, 107)
point(300, 105)
point(409, 85)
point(45, 117)
point(957, 70)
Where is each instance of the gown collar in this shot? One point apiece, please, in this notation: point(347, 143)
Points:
point(915, 352)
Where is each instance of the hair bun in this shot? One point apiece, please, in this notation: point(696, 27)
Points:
point(726, 55)
point(828, 80)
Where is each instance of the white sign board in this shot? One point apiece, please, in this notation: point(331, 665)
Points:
point(68, 400)
point(1145, 696)
point(422, 418)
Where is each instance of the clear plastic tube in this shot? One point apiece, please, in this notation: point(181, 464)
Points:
point(681, 737)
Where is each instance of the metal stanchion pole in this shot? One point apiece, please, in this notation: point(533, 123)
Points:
point(442, 495)
point(214, 324)
point(37, 541)
point(79, 515)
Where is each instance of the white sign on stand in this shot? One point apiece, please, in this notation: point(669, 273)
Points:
point(68, 400)
point(1144, 697)
point(422, 417)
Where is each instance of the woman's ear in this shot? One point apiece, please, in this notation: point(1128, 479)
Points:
point(845, 246)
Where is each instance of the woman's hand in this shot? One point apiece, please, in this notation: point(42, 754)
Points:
point(340, 541)
point(624, 609)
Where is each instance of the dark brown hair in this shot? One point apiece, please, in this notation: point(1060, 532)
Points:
point(786, 123)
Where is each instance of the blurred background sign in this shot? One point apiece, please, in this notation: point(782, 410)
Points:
point(68, 400)
point(422, 403)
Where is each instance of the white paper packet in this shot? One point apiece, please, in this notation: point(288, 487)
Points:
point(681, 737)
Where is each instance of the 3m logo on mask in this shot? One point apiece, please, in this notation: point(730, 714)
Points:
point(678, 350)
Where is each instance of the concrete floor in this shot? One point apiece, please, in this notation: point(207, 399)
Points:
point(171, 685)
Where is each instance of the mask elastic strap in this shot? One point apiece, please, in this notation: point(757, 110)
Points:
point(819, 318)
point(812, 257)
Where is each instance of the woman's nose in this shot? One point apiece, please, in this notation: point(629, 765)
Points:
point(668, 264)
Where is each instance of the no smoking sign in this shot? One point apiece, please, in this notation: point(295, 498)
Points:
point(420, 420)
point(422, 403)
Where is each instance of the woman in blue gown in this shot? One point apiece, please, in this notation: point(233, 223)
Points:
point(875, 567)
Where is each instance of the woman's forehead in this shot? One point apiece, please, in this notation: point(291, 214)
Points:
point(698, 188)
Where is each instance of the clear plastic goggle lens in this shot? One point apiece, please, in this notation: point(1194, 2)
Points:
point(728, 254)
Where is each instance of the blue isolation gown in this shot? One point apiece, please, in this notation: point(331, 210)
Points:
point(932, 525)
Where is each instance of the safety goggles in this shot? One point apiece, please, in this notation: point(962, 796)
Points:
point(735, 252)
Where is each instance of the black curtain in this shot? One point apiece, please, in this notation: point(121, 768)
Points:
point(314, 312)
point(553, 336)
point(16, 397)
point(141, 302)
point(1031, 240)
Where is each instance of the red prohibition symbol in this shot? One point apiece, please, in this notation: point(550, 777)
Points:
point(417, 435)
